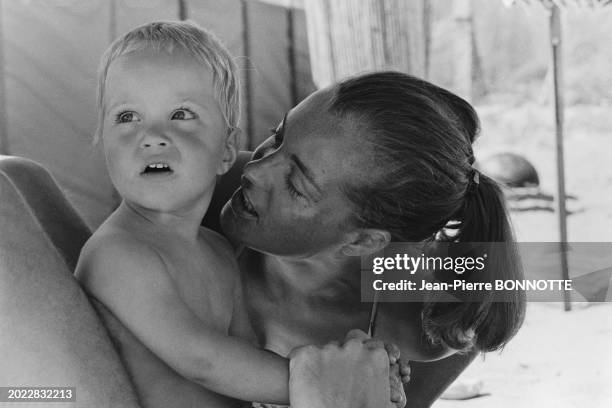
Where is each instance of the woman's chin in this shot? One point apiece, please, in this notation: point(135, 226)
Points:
point(234, 227)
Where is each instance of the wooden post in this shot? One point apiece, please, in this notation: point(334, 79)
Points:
point(346, 37)
point(555, 41)
point(183, 12)
point(112, 21)
point(4, 147)
point(247, 78)
point(291, 56)
point(463, 49)
point(427, 37)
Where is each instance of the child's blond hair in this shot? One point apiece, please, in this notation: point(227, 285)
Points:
point(187, 37)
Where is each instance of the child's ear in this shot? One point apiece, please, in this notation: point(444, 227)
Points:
point(366, 242)
point(230, 151)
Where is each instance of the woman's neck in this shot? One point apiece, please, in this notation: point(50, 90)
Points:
point(322, 278)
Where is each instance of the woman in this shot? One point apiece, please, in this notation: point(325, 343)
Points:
point(378, 158)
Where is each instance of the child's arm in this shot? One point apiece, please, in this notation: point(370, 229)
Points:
point(132, 281)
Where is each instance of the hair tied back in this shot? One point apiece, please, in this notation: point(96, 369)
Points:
point(474, 181)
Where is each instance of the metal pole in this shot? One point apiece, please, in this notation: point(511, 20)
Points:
point(4, 147)
point(555, 41)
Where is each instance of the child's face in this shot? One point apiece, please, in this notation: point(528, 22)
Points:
point(165, 138)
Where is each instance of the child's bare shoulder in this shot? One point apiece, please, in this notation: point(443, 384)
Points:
point(114, 243)
point(217, 245)
point(113, 258)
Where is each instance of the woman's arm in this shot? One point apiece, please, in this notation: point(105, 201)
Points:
point(47, 203)
point(50, 334)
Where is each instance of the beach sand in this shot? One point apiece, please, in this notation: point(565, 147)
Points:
point(558, 359)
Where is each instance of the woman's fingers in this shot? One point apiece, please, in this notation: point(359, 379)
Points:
point(392, 350)
point(346, 376)
point(373, 344)
point(356, 369)
point(398, 397)
point(404, 370)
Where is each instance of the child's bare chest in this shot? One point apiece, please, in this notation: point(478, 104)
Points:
point(203, 283)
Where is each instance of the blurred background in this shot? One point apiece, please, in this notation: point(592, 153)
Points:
point(496, 54)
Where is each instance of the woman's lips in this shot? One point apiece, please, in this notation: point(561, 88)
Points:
point(242, 206)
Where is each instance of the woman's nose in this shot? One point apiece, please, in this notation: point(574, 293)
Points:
point(260, 173)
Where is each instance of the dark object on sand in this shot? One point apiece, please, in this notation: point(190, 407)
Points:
point(520, 182)
point(511, 170)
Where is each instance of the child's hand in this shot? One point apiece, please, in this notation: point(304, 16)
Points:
point(350, 375)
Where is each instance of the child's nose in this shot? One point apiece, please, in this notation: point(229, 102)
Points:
point(151, 143)
point(154, 138)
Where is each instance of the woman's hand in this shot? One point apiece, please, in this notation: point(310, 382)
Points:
point(399, 371)
point(352, 375)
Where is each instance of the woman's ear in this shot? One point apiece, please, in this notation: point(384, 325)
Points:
point(366, 242)
point(230, 151)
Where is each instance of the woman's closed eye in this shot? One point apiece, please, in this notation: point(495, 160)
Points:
point(183, 114)
point(127, 117)
point(292, 188)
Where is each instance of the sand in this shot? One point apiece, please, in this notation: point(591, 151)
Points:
point(559, 359)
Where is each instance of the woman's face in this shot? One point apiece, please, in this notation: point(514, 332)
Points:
point(291, 201)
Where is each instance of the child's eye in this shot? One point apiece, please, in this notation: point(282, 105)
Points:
point(183, 114)
point(126, 117)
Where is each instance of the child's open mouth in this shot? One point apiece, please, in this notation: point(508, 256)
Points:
point(157, 168)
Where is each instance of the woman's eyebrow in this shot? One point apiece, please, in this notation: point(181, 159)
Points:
point(306, 172)
point(281, 127)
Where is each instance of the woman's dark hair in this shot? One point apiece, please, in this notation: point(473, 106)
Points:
point(424, 188)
